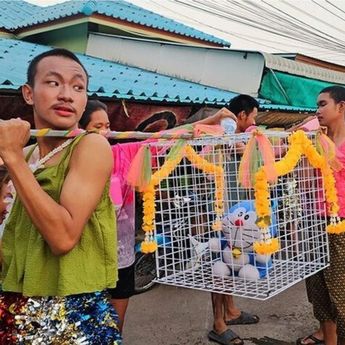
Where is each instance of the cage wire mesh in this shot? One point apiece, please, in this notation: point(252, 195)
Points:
point(192, 255)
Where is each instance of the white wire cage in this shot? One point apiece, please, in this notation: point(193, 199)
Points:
point(192, 255)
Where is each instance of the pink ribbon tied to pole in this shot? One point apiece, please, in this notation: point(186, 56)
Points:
point(258, 150)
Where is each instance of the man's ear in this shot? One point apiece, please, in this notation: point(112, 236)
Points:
point(342, 106)
point(242, 115)
point(27, 94)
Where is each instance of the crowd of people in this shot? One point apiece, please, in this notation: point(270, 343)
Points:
point(66, 276)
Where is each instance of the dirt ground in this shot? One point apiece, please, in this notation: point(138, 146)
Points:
point(168, 315)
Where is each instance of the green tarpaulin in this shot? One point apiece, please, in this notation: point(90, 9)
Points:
point(282, 88)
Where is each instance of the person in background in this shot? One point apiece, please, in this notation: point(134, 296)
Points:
point(59, 242)
point(96, 117)
point(325, 289)
point(243, 109)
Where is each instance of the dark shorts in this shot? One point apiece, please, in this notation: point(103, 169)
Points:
point(125, 284)
point(326, 288)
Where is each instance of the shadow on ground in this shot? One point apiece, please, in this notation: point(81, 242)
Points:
point(268, 341)
point(167, 315)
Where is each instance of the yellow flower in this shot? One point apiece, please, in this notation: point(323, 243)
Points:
point(150, 208)
point(261, 224)
point(337, 228)
point(148, 247)
point(267, 248)
point(298, 144)
point(147, 228)
point(217, 225)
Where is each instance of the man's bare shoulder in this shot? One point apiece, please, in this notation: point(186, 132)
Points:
point(93, 149)
point(94, 142)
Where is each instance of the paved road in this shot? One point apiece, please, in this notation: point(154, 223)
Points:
point(174, 316)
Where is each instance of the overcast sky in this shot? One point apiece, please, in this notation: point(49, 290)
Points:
point(311, 27)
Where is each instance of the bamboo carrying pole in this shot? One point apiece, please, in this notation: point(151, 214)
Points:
point(111, 134)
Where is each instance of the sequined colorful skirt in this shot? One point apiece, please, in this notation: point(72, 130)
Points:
point(78, 319)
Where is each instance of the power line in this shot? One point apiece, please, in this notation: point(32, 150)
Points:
point(283, 28)
point(249, 38)
point(326, 9)
point(289, 27)
point(215, 9)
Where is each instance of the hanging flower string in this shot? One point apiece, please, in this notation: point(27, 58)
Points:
point(149, 244)
point(218, 172)
point(267, 244)
point(259, 151)
point(298, 144)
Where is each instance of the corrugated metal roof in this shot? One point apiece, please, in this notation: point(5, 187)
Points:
point(109, 79)
point(288, 108)
point(298, 68)
point(118, 9)
point(279, 119)
point(113, 80)
point(12, 13)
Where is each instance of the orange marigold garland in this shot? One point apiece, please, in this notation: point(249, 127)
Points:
point(218, 172)
point(267, 244)
point(149, 244)
point(298, 144)
point(321, 162)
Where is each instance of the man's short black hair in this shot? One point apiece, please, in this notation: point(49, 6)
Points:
point(91, 107)
point(335, 92)
point(244, 103)
point(32, 69)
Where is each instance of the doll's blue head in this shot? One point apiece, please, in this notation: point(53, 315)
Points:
point(239, 225)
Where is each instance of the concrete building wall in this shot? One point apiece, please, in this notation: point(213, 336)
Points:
point(235, 71)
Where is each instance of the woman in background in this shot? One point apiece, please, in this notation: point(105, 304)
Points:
point(95, 117)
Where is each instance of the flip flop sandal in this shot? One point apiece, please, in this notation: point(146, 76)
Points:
point(243, 319)
point(316, 341)
point(226, 338)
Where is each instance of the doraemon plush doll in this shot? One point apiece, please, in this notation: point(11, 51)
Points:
point(239, 232)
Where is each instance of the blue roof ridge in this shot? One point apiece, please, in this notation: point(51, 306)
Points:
point(109, 8)
point(175, 21)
